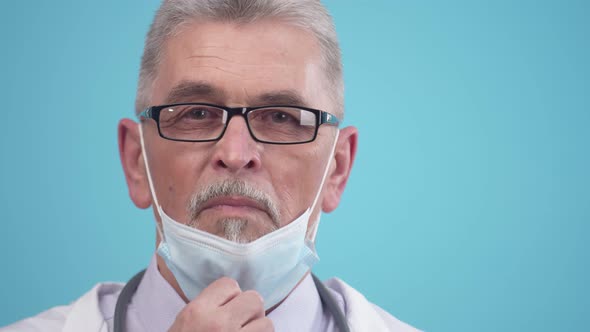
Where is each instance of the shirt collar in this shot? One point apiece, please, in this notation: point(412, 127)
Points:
point(157, 304)
point(301, 310)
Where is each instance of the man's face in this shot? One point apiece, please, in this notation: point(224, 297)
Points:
point(239, 65)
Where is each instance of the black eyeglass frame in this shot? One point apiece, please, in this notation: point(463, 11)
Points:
point(322, 117)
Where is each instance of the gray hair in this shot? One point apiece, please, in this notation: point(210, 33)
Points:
point(307, 14)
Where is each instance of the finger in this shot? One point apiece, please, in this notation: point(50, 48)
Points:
point(245, 307)
point(263, 324)
point(219, 292)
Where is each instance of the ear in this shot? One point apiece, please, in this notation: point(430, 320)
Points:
point(133, 164)
point(340, 170)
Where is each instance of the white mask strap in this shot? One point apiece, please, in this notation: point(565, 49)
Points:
point(149, 175)
point(311, 233)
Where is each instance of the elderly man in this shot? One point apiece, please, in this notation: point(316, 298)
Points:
point(237, 150)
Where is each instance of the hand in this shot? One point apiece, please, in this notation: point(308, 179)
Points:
point(222, 306)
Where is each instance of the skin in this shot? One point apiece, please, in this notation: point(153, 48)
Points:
point(243, 62)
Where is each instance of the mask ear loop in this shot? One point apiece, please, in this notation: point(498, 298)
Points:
point(313, 229)
point(149, 175)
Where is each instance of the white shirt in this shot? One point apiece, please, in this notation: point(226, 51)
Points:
point(155, 310)
point(156, 304)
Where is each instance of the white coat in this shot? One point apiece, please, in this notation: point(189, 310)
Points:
point(85, 315)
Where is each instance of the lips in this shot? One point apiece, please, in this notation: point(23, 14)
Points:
point(233, 203)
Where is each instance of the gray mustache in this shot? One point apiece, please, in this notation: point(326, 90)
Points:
point(232, 187)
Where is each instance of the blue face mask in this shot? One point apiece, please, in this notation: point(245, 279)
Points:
point(272, 265)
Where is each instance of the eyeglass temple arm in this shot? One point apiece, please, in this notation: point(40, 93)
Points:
point(146, 113)
point(330, 119)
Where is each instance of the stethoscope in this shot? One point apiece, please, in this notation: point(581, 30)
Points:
point(131, 286)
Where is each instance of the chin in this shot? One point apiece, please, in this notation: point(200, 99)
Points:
point(243, 230)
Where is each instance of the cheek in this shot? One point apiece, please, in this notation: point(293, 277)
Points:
point(294, 178)
point(179, 168)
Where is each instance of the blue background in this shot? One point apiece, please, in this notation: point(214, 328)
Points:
point(469, 204)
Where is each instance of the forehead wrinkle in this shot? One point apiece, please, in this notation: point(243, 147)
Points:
point(220, 69)
point(234, 68)
point(198, 56)
point(241, 63)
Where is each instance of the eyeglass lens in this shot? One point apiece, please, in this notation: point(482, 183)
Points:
point(202, 122)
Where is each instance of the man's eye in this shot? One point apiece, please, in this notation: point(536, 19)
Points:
point(281, 117)
point(198, 114)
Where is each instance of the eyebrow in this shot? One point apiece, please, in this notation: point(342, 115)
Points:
point(188, 91)
point(196, 91)
point(281, 97)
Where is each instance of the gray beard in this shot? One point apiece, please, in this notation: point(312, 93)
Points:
point(233, 230)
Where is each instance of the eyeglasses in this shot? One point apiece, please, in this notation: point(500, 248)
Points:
point(198, 122)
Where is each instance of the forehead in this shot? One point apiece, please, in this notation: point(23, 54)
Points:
point(240, 62)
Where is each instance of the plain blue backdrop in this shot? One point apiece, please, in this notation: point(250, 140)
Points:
point(468, 208)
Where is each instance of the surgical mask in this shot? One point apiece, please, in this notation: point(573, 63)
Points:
point(272, 265)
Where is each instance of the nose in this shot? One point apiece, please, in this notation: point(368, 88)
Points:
point(236, 150)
